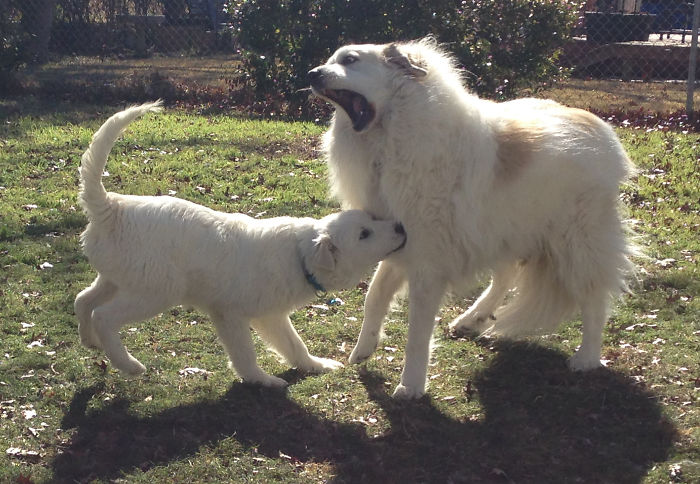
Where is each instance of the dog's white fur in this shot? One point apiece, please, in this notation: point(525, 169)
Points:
point(527, 190)
point(152, 253)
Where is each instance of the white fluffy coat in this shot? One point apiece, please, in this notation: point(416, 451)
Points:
point(527, 190)
point(152, 253)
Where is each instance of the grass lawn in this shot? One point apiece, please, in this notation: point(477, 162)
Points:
point(497, 411)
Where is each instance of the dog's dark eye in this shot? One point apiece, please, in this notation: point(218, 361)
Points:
point(365, 233)
point(348, 59)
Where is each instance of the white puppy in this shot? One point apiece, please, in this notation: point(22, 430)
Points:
point(152, 253)
point(527, 190)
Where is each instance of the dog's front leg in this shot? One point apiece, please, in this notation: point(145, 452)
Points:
point(386, 281)
point(236, 338)
point(278, 331)
point(425, 294)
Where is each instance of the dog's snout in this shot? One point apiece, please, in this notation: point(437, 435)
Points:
point(398, 228)
point(314, 76)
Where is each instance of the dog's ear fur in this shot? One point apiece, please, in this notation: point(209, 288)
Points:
point(394, 56)
point(324, 253)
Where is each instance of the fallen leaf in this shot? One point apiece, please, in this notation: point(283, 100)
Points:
point(499, 472)
point(18, 453)
point(675, 471)
point(666, 262)
point(194, 371)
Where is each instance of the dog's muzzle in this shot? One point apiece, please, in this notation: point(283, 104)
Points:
point(360, 111)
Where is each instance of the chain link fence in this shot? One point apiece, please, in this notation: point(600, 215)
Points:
point(629, 40)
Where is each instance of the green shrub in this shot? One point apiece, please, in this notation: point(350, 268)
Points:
point(12, 41)
point(504, 45)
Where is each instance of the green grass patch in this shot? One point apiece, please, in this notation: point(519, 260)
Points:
point(496, 411)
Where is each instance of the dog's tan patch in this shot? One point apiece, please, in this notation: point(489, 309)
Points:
point(519, 139)
point(517, 142)
point(586, 121)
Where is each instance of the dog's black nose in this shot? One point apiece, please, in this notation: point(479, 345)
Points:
point(314, 76)
point(398, 228)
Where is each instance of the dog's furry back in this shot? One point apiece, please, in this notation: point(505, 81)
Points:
point(93, 196)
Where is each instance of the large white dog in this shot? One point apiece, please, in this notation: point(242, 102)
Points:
point(527, 190)
point(152, 253)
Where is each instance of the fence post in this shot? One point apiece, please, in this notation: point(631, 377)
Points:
point(692, 64)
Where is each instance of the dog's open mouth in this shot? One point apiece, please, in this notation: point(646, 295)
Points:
point(403, 244)
point(361, 112)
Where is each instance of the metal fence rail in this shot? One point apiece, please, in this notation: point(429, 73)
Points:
point(615, 39)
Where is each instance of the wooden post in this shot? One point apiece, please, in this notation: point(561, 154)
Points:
point(693, 63)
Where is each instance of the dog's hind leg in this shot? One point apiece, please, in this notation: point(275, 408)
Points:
point(234, 335)
point(281, 335)
point(594, 314)
point(483, 309)
point(597, 265)
point(97, 294)
point(425, 294)
point(124, 308)
point(385, 283)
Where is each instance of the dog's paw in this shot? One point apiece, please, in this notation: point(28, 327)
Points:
point(320, 365)
point(582, 362)
point(403, 392)
point(359, 354)
point(133, 368)
point(88, 337)
point(90, 342)
point(469, 324)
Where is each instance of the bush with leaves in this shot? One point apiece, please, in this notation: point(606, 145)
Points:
point(503, 45)
point(13, 40)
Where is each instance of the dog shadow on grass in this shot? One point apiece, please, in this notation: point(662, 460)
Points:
point(539, 423)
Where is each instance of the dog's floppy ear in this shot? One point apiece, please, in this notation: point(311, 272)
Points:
point(394, 56)
point(324, 253)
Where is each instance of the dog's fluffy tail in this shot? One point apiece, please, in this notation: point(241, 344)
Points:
point(539, 305)
point(93, 196)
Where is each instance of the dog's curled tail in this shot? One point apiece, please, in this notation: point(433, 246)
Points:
point(93, 196)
